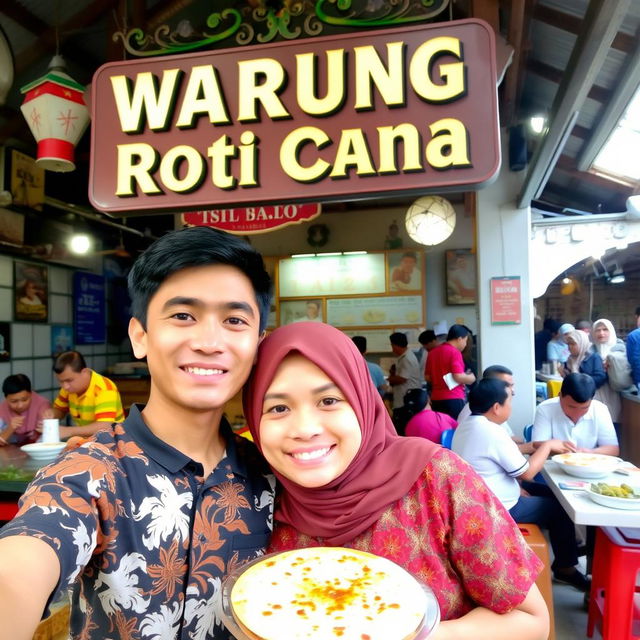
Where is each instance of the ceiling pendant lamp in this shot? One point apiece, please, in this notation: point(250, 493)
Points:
point(56, 113)
point(430, 220)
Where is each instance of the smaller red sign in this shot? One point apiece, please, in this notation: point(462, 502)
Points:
point(506, 307)
point(248, 220)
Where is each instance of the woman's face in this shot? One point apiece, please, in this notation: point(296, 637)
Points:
point(601, 333)
point(308, 431)
point(574, 349)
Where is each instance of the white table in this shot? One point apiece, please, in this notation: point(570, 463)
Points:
point(580, 507)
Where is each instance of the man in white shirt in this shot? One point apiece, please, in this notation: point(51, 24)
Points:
point(485, 445)
point(405, 376)
point(500, 372)
point(575, 418)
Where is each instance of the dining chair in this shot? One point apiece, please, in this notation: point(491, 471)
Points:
point(447, 438)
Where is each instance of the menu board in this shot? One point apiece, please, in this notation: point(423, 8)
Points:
point(378, 311)
point(331, 275)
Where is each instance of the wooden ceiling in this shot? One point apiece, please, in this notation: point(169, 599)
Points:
point(544, 34)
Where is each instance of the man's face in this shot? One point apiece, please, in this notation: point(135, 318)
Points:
point(74, 381)
point(312, 310)
point(407, 264)
point(203, 330)
point(397, 350)
point(430, 345)
point(503, 411)
point(572, 409)
point(19, 402)
point(509, 380)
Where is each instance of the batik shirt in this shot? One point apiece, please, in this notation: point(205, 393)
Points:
point(143, 540)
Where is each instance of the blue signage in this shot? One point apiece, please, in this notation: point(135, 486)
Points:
point(89, 311)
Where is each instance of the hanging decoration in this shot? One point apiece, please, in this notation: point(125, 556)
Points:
point(55, 111)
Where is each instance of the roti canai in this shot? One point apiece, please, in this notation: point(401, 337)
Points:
point(328, 592)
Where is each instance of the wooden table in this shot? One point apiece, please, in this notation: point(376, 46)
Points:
point(580, 507)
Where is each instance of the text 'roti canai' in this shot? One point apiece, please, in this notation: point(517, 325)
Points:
point(328, 592)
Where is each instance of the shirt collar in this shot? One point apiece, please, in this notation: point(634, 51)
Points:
point(169, 457)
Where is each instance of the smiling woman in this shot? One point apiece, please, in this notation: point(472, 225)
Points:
point(349, 480)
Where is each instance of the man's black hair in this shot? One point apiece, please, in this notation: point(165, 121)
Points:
point(458, 331)
point(398, 339)
point(196, 247)
point(361, 343)
point(486, 393)
point(73, 359)
point(15, 384)
point(579, 386)
point(427, 336)
point(638, 311)
point(496, 370)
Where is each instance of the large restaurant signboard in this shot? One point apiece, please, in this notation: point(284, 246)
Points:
point(339, 117)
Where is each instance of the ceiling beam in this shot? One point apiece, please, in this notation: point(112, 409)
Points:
point(573, 24)
point(601, 23)
point(567, 165)
point(600, 94)
point(514, 72)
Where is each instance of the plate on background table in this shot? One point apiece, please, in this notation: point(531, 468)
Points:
point(587, 465)
point(312, 592)
point(629, 504)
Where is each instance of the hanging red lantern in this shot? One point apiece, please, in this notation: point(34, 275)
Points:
point(55, 111)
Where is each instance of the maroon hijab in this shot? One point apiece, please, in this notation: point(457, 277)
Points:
point(386, 465)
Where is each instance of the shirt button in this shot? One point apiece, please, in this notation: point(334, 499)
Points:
point(202, 537)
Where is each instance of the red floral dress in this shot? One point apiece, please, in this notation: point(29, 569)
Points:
point(451, 532)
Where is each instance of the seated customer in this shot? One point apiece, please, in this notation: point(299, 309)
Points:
point(574, 417)
point(92, 400)
point(429, 424)
point(21, 411)
point(484, 444)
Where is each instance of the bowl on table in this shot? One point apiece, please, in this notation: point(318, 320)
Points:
point(587, 465)
point(630, 503)
point(43, 451)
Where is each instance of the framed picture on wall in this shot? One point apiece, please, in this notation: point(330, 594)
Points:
point(405, 270)
point(5, 341)
point(460, 274)
point(301, 311)
point(31, 296)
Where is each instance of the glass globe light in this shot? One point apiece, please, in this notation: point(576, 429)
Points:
point(430, 220)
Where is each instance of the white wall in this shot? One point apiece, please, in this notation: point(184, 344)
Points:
point(504, 250)
point(366, 230)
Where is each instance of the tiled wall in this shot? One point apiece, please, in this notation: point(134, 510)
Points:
point(31, 342)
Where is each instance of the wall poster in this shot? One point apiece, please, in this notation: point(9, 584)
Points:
point(31, 298)
point(382, 311)
point(89, 311)
point(460, 273)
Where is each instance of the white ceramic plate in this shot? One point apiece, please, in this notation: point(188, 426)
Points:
point(587, 465)
point(43, 450)
point(429, 623)
point(630, 504)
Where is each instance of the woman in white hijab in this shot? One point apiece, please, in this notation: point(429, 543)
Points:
point(604, 342)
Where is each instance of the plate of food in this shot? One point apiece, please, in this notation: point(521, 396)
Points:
point(616, 496)
point(587, 465)
point(43, 451)
point(327, 592)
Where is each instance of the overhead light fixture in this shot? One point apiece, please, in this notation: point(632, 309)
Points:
point(617, 277)
point(566, 280)
point(430, 220)
point(80, 244)
point(537, 123)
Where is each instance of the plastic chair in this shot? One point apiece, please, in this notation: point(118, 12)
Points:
point(447, 438)
point(527, 433)
point(553, 388)
point(615, 599)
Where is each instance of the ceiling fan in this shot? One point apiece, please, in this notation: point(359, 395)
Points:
point(120, 250)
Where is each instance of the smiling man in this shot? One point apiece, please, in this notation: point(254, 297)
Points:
point(146, 520)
